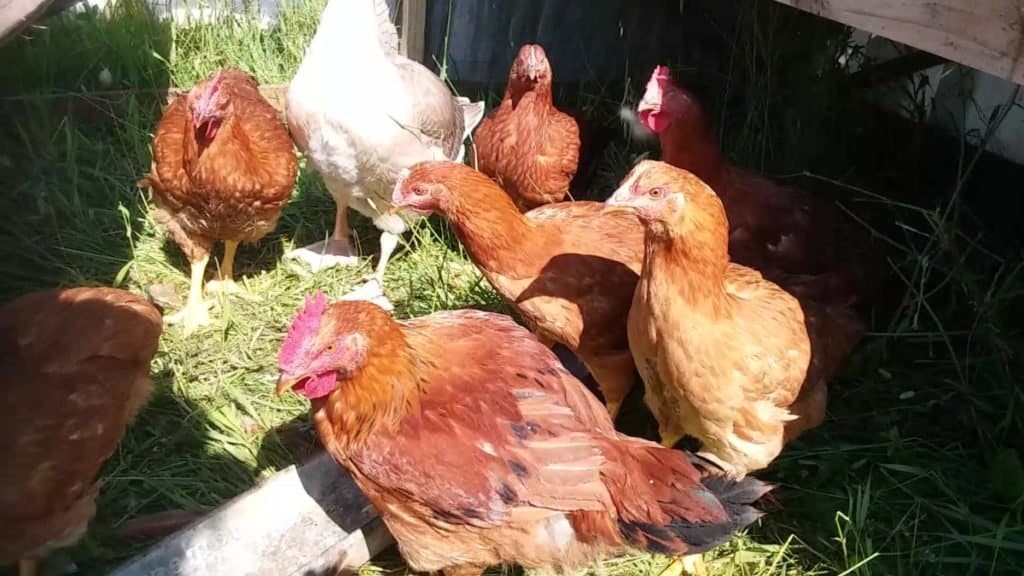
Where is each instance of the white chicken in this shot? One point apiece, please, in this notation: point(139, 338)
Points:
point(362, 113)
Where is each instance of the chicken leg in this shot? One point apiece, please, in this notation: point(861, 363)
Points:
point(692, 564)
point(373, 289)
point(28, 567)
point(335, 250)
point(225, 282)
point(196, 311)
point(615, 376)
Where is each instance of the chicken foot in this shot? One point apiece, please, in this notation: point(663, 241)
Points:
point(615, 375)
point(28, 567)
point(225, 282)
point(196, 311)
point(335, 250)
point(373, 289)
point(690, 564)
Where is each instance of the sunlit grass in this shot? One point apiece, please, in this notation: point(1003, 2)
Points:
point(913, 473)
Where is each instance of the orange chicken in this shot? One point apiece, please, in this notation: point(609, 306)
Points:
point(568, 269)
point(75, 372)
point(727, 356)
point(478, 448)
point(528, 146)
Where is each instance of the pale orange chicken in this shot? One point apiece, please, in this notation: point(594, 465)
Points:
point(727, 356)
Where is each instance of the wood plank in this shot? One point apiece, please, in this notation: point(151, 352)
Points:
point(15, 15)
point(983, 34)
point(414, 29)
point(306, 520)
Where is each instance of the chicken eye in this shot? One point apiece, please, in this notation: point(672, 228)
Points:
point(329, 349)
point(656, 192)
point(419, 191)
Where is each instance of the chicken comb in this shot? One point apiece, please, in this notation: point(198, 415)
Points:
point(209, 93)
point(302, 328)
point(661, 79)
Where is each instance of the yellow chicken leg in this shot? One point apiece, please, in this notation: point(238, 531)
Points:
point(28, 567)
point(692, 564)
point(225, 282)
point(195, 313)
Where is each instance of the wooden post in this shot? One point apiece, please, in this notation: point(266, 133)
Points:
point(414, 29)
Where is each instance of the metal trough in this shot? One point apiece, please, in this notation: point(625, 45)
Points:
point(309, 520)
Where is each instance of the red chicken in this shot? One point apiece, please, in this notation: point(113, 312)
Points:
point(772, 228)
point(530, 147)
point(75, 372)
point(569, 270)
point(478, 448)
point(223, 169)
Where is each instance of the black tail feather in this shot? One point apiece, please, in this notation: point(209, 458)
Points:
point(681, 536)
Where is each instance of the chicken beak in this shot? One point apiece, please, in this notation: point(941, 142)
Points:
point(618, 202)
point(285, 384)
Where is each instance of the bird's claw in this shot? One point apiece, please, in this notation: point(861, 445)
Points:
point(325, 254)
point(371, 291)
point(223, 286)
point(191, 317)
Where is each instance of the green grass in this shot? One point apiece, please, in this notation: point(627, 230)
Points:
point(913, 473)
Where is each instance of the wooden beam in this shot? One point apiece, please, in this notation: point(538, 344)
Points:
point(306, 520)
point(414, 29)
point(899, 67)
point(983, 34)
point(15, 15)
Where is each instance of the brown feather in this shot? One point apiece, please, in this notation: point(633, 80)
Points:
point(235, 187)
point(526, 144)
point(479, 448)
point(777, 229)
point(567, 268)
point(76, 371)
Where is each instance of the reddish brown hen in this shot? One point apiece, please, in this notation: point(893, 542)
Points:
point(567, 268)
point(530, 147)
point(75, 372)
point(223, 169)
point(772, 228)
point(727, 356)
point(478, 448)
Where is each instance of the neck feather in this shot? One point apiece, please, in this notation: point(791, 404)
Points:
point(694, 267)
point(373, 400)
point(492, 229)
point(690, 143)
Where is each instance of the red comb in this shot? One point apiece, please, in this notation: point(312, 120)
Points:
point(303, 327)
point(661, 80)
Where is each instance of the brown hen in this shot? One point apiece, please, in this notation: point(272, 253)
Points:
point(772, 227)
point(526, 144)
point(727, 356)
point(478, 448)
point(223, 169)
point(75, 372)
point(568, 269)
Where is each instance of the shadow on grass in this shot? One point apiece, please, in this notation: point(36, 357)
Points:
point(140, 479)
point(70, 214)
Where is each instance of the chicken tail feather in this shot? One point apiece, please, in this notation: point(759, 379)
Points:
point(699, 517)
